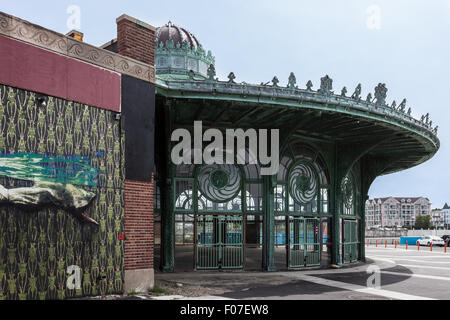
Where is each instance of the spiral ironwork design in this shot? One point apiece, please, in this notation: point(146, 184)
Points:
point(303, 183)
point(347, 192)
point(219, 183)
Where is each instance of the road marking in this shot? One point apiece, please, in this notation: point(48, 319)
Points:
point(358, 288)
point(366, 290)
point(424, 276)
point(447, 262)
point(412, 248)
point(424, 267)
point(406, 256)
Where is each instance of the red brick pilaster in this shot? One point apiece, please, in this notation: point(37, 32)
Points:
point(139, 225)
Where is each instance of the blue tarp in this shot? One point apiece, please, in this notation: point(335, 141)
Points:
point(411, 240)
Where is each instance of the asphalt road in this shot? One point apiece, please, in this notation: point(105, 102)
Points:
point(425, 273)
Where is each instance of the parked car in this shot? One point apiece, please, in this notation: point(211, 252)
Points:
point(428, 240)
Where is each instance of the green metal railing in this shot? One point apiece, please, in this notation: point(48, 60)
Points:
point(304, 242)
point(219, 242)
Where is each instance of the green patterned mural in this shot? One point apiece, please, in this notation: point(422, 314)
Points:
point(38, 244)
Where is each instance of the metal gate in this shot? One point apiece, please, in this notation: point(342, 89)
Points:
point(219, 242)
point(304, 242)
point(350, 241)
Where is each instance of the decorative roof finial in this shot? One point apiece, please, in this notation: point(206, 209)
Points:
point(309, 85)
point(211, 72)
point(394, 105)
point(275, 81)
point(369, 98)
point(344, 92)
point(357, 94)
point(402, 106)
point(292, 81)
point(326, 85)
point(231, 77)
point(380, 94)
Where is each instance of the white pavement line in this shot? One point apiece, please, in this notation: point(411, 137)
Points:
point(424, 276)
point(412, 248)
point(385, 260)
point(423, 267)
point(406, 256)
point(366, 290)
point(413, 260)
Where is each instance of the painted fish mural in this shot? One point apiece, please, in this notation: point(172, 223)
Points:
point(57, 181)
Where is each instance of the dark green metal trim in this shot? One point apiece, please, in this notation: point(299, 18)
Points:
point(269, 182)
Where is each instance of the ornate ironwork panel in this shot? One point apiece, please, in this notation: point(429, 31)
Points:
point(219, 242)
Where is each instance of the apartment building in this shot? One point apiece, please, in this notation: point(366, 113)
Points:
point(395, 211)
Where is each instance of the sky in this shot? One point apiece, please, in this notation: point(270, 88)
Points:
point(403, 43)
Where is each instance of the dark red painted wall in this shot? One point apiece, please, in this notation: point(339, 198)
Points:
point(35, 69)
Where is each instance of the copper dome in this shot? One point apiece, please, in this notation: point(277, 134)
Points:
point(177, 34)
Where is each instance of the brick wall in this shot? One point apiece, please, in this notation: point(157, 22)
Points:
point(135, 39)
point(139, 225)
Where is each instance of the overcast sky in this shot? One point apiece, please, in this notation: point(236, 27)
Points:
point(403, 43)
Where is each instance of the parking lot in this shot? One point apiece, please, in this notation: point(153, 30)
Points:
point(404, 274)
point(423, 273)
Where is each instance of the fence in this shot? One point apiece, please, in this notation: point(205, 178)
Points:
point(404, 233)
point(386, 233)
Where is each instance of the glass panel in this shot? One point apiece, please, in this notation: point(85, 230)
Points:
point(280, 231)
point(298, 208)
point(207, 205)
point(280, 198)
point(184, 194)
point(324, 200)
point(254, 197)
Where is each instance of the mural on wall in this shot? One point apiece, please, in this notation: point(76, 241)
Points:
point(50, 171)
point(55, 182)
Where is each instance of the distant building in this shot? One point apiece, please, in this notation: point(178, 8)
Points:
point(438, 218)
point(446, 210)
point(396, 211)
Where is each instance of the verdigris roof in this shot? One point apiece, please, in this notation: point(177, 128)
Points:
point(322, 115)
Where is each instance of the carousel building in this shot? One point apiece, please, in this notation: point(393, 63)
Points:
point(311, 212)
point(92, 203)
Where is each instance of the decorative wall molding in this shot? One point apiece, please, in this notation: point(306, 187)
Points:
point(25, 31)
